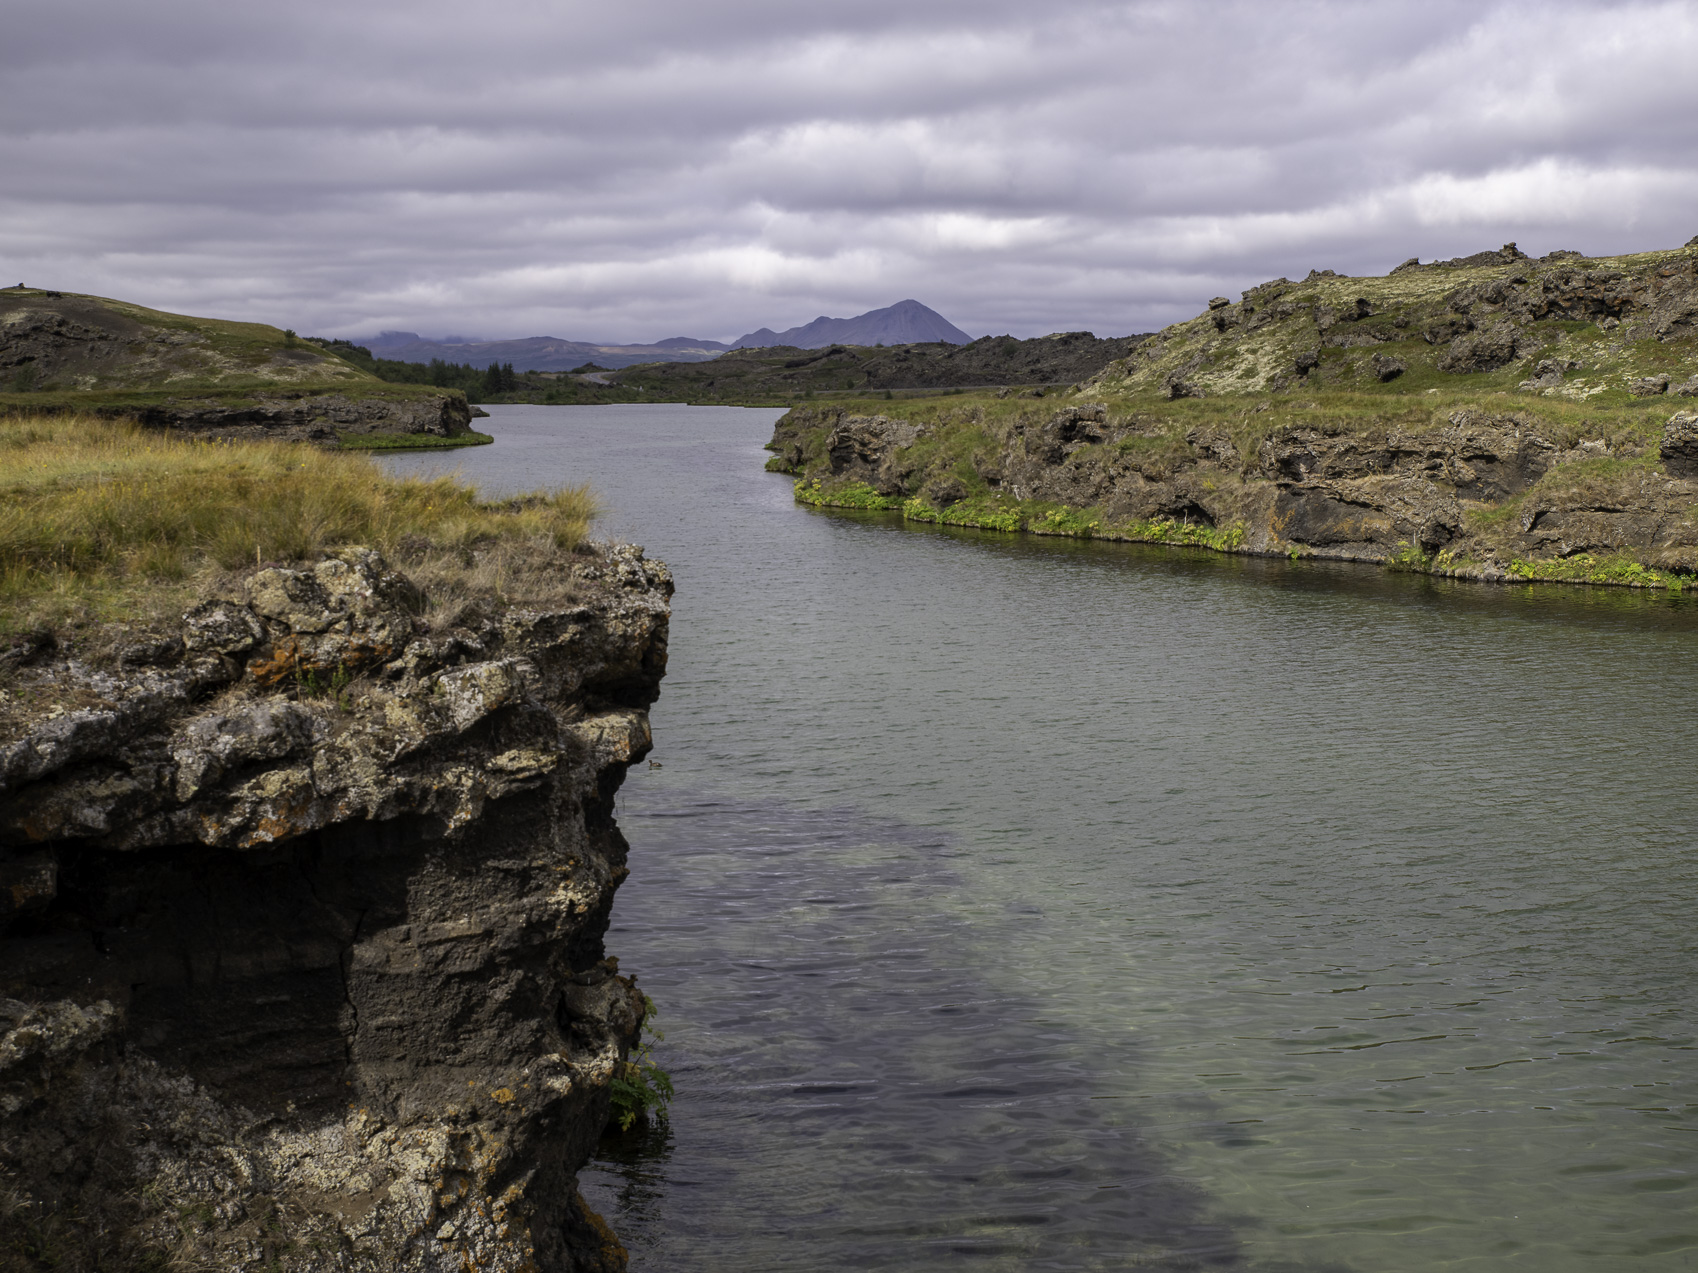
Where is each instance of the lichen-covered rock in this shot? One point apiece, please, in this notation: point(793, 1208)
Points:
point(308, 975)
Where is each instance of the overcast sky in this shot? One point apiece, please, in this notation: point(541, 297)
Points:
point(655, 168)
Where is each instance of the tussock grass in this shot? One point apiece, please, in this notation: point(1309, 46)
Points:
point(102, 519)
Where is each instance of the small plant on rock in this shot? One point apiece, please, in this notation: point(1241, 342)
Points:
point(641, 1089)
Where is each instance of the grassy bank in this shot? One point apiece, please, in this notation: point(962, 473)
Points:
point(1040, 517)
point(1035, 517)
point(116, 403)
point(410, 441)
point(104, 520)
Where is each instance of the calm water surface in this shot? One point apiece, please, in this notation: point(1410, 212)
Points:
point(1024, 904)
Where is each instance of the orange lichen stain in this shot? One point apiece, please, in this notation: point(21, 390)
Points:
point(280, 663)
point(35, 830)
point(284, 824)
point(287, 661)
point(504, 1095)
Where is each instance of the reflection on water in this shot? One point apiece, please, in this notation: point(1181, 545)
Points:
point(1063, 905)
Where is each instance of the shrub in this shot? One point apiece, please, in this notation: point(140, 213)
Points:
point(641, 1089)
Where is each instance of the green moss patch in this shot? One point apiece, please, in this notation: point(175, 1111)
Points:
point(410, 441)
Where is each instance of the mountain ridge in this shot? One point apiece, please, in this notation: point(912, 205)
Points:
point(904, 323)
point(540, 353)
point(907, 322)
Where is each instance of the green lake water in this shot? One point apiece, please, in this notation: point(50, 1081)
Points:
point(1034, 904)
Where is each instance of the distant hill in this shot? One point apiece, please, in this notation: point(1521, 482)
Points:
point(539, 353)
point(1559, 326)
point(904, 323)
point(786, 373)
point(64, 351)
point(67, 341)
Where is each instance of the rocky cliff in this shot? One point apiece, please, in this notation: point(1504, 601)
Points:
point(1473, 492)
point(303, 912)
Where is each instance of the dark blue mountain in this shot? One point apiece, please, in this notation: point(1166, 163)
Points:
point(904, 323)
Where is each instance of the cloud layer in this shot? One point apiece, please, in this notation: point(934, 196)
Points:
point(653, 169)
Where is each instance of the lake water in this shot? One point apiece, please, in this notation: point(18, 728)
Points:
point(1017, 903)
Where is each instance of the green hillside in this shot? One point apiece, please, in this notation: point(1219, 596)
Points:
point(1560, 326)
point(62, 351)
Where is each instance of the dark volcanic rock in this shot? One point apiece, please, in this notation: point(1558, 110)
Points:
point(1481, 351)
point(1387, 369)
point(1679, 448)
point(302, 416)
point(321, 965)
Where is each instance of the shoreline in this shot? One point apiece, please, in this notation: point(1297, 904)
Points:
point(1060, 521)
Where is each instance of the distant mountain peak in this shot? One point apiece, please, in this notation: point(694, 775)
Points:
point(904, 323)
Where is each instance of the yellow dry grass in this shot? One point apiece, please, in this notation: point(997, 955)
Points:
point(103, 520)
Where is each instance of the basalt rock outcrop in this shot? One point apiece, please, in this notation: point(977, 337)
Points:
point(301, 416)
point(1487, 488)
point(1489, 416)
point(301, 926)
point(1615, 324)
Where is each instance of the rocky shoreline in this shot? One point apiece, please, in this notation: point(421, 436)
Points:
point(1493, 417)
point(1493, 496)
point(303, 924)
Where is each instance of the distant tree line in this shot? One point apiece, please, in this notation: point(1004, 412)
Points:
point(496, 382)
point(477, 383)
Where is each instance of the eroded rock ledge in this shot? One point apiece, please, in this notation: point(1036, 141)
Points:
point(302, 915)
point(1491, 496)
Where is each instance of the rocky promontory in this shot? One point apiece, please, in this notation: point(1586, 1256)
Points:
point(1493, 417)
point(305, 895)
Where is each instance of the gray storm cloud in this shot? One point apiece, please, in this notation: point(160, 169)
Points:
point(637, 171)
